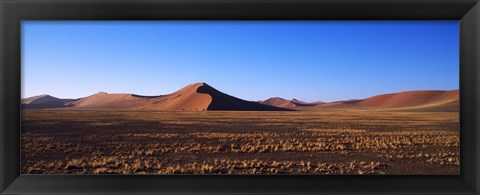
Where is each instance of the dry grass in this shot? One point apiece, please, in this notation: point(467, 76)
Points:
point(128, 142)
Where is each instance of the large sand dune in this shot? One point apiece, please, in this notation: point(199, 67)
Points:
point(186, 98)
point(201, 96)
point(427, 100)
point(194, 97)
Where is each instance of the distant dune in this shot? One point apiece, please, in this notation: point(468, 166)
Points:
point(427, 100)
point(45, 101)
point(104, 100)
point(293, 103)
point(411, 98)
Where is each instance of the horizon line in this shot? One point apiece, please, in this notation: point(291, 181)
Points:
point(300, 99)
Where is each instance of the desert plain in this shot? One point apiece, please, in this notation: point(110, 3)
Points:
point(88, 136)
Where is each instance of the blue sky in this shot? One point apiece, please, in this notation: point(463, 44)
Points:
point(311, 61)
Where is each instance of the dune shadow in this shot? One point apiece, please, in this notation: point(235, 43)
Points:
point(44, 106)
point(147, 96)
point(222, 101)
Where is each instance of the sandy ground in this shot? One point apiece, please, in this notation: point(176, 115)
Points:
point(239, 142)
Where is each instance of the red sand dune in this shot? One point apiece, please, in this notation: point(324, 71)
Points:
point(283, 103)
point(200, 96)
point(428, 100)
point(410, 98)
point(104, 100)
point(186, 98)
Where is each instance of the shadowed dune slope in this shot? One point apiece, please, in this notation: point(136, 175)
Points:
point(39, 99)
point(340, 104)
point(45, 101)
point(222, 101)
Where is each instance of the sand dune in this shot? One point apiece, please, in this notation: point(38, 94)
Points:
point(453, 106)
point(410, 98)
point(104, 100)
point(427, 100)
point(201, 96)
point(293, 103)
point(194, 97)
point(45, 101)
point(41, 99)
point(339, 104)
point(222, 101)
point(186, 98)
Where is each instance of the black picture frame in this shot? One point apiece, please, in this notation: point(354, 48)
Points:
point(12, 12)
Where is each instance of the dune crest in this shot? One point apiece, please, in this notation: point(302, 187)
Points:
point(186, 98)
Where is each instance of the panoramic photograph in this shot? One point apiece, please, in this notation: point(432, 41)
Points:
point(240, 97)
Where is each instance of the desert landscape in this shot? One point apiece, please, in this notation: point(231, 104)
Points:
point(200, 130)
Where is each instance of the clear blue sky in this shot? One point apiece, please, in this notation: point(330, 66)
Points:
point(311, 61)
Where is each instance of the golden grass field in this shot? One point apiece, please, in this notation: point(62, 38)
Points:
point(239, 142)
